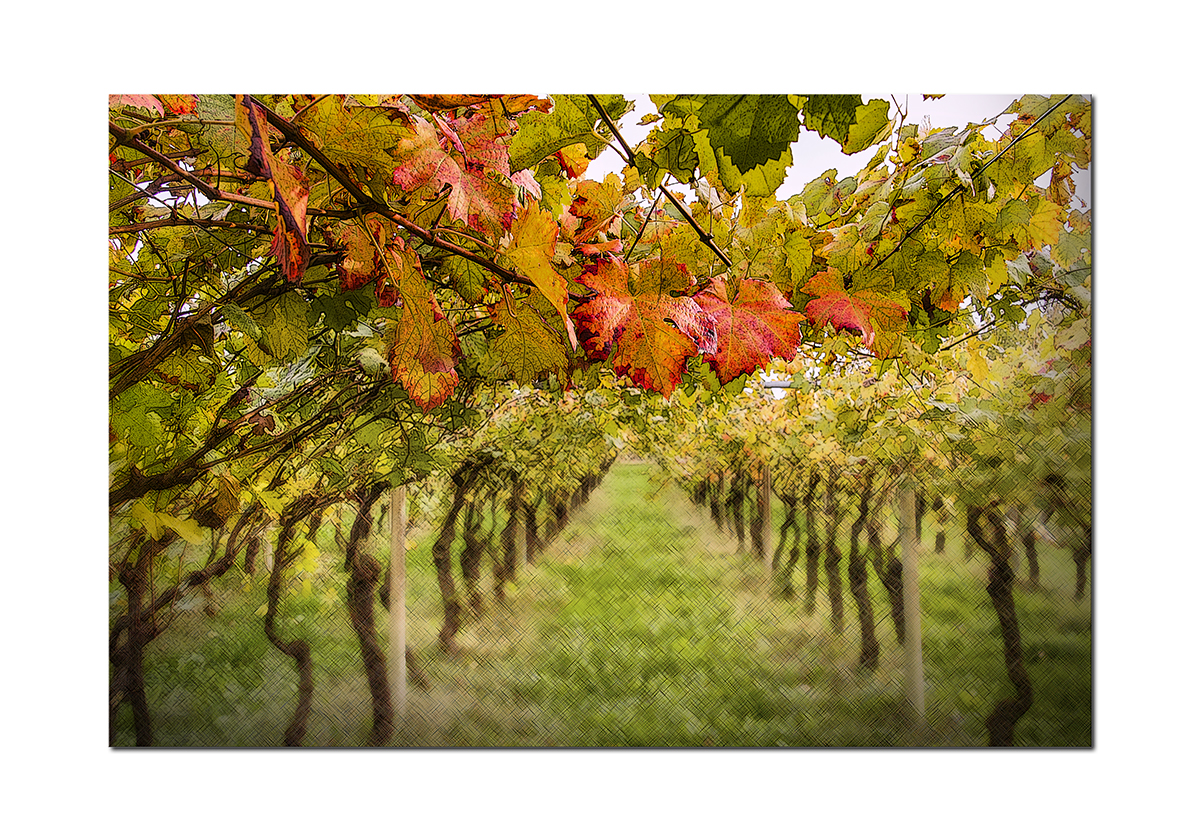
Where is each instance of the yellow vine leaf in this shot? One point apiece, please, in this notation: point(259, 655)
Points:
point(534, 236)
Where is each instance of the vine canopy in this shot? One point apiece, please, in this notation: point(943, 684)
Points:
point(292, 272)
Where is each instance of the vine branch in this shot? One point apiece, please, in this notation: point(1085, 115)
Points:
point(962, 188)
point(127, 138)
point(293, 134)
point(174, 220)
point(628, 158)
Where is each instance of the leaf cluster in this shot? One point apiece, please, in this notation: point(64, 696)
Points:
point(309, 293)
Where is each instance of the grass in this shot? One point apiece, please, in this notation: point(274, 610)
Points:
point(640, 626)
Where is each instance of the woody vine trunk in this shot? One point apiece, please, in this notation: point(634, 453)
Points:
point(1029, 540)
point(533, 544)
point(562, 513)
point(783, 574)
point(1080, 555)
point(857, 572)
point(1078, 519)
point(129, 679)
point(736, 505)
point(888, 568)
point(296, 649)
point(833, 555)
point(463, 481)
point(1002, 722)
point(507, 569)
point(718, 508)
point(920, 505)
point(364, 577)
point(126, 657)
point(451, 608)
point(470, 559)
point(812, 545)
point(940, 517)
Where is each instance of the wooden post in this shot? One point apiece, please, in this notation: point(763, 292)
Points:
point(914, 668)
point(721, 502)
point(397, 584)
point(764, 517)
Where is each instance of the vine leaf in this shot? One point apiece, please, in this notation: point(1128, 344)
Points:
point(512, 103)
point(179, 103)
point(136, 100)
point(599, 206)
point(572, 120)
point(573, 159)
point(675, 151)
point(871, 125)
point(470, 279)
point(366, 138)
point(592, 249)
point(750, 129)
point(361, 240)
point(855, 125)
point(878, 318)
point(794, 260)
point(535, 234)
point(289, 192)
point(283, 327)
point(527, 180)
point(654, 333)
point(530, 347)
point(965, 276)
point(424, 348)
point(476, 138)
point(831, 115)
point(747, 139)
point(432, 159)
point(136, 414)
point(754, 325)
point(448, 101)
point(1045, 224)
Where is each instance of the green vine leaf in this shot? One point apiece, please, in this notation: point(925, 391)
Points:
point(572, 120)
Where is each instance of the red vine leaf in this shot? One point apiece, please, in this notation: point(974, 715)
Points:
point(464, 155)
point(654, 333)
point(289, 192)
point(179, 103)
point(754, 327)
point(573, 159)
point(362, 241)
point(879, 319)
point(424, 348)
point(526, 180)
point(592, 249)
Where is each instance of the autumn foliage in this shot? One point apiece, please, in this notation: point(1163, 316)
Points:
point(404, 191)
point(313, 295)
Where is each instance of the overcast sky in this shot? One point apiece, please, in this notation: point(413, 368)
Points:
point(813, 154)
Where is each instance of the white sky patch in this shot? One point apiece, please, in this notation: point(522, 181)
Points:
point(813, 155)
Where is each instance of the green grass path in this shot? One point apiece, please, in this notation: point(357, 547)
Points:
point(641, 625)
